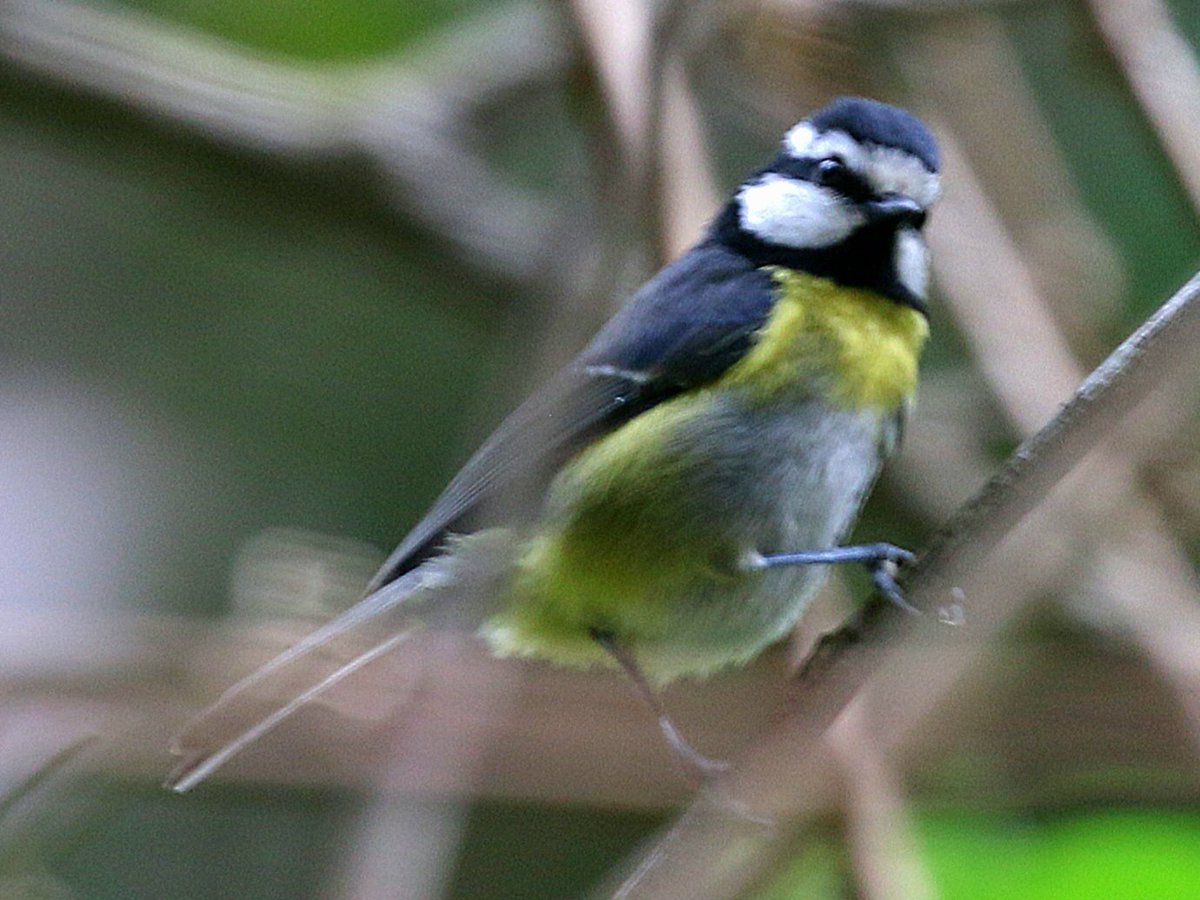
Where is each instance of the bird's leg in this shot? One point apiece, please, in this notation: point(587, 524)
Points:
point(880, 560)
point(694, 763)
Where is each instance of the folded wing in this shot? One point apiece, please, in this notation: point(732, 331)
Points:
point(684, 328)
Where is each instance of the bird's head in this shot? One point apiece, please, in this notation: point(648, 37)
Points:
point(846, 198)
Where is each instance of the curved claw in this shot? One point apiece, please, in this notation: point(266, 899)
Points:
point(695, 766)
point(880, 560)
point(885, 582)
point(892, 553)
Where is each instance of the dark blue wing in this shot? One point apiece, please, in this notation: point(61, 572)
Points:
point(683, 329)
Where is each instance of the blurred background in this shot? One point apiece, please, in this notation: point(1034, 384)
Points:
point(269, 272)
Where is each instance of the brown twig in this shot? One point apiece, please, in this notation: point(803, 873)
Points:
point(1163, 74)
point(985, 96)
point(638, 51)
point(769, 779)
point(879, 831)
point(1028, 366)
point(1141, 575)
point(396, 115)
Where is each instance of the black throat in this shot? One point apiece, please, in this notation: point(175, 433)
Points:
point(866, 259)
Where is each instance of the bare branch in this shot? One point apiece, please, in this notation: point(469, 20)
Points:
point(406, 119)
point(1163, 74)
point(879, 830)
point(739, 808)
point(1137, 581)
point(618, 35)
point(690, 196)
point(178, 74)
point(638, 49)
point(981, 82)
point(1141, 576)
point(995, 299)
point(1028, 364)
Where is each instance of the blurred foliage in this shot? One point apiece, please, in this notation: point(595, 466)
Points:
point(819, 871)
point(1115, 855)
point(1107, 855)
point(326, 31)
point(291, 845)
point(140, 841)
point(288, 337)
point(1114, 155)
point(544, 852)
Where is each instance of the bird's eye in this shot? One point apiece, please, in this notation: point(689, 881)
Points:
point(832, 169)
point(835, 173)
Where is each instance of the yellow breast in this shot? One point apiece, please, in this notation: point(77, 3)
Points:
point(854, 348)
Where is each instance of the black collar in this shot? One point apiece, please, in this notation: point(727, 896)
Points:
point(866, 259)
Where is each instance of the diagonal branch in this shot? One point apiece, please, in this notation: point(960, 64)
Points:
point(772, 777)
point(406, 117)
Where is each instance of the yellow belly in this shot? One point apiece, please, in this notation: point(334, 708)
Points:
point(643, 530)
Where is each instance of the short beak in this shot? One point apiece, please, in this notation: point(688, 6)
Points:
point(896, 209)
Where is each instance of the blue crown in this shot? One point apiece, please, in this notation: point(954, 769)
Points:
point(873, 122)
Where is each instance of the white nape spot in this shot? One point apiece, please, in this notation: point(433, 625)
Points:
point(802, 142)
point(912, 261)
point(795, 213)
point(799, 140)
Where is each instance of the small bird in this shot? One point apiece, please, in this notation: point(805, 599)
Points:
point(669, 503)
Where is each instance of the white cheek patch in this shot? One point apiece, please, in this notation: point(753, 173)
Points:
point(795, 213)
point(911, 262)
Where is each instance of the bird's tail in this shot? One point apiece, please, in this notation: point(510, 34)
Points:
point(215, 735)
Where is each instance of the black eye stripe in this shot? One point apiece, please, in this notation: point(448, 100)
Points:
point(791, 167)
point(845, 181)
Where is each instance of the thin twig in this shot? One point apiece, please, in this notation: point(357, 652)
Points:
point(1161, 345)
point(714, 843)
point(617, 36)
point(55, 767)
point(687, 184)
point(1008, 324)
point(639, 53)
point(405, 118)
point(981, 82)
point(879, 829)
point(680, 180)
point(994, 297)
point(1028, 366)
point(399, 848)
point(1163, 74)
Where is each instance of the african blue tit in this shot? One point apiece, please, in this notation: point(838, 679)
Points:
point(669, 503)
